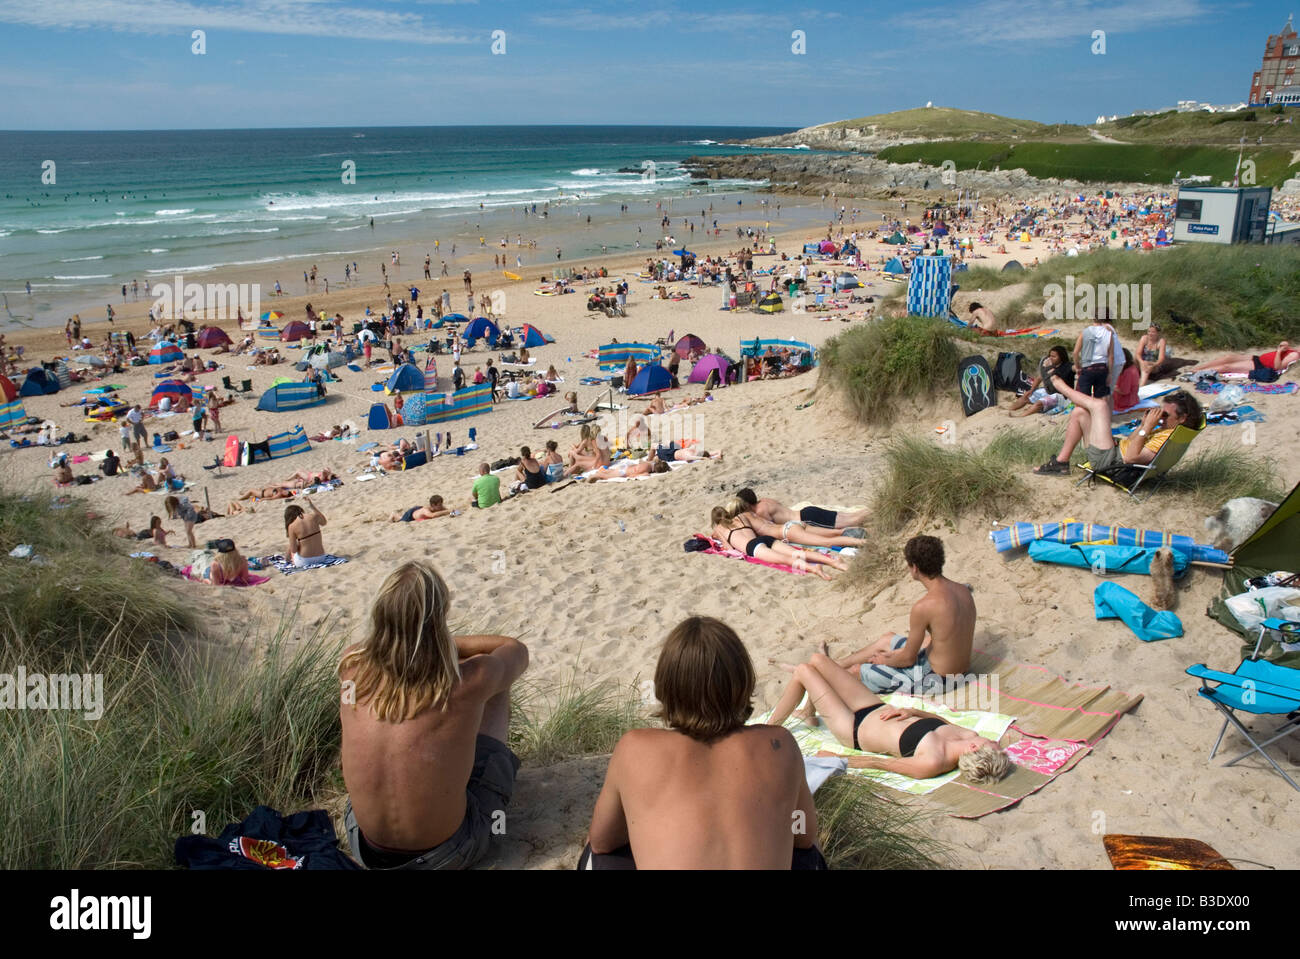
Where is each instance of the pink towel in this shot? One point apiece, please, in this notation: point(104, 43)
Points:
point(716, 548)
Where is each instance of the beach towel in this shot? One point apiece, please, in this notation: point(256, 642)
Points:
point(286, 566)
point(1157, 852)
point(1113, 601)
point(716, 548)
point(1249, 387)
point(1242, 414)
point(253, 580)
point(815, 739)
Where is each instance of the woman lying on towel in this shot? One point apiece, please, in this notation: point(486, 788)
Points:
point(625, 470)
point(1280, 360)
point(925, 744)
point(735, 530)
point(794, 532)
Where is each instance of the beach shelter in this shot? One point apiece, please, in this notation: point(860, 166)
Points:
point(165, 352)
point(1011, 266)
point(212, 337)
point(407, 378)
point(847, 281)
point(64, 376)
point(1275, 545)
point(614, 356)
point(39, 382)
point(894, 267)
point(688, 344)
point(380, 418)
point(826, 247)
point(471, 401)
point(431, 375)
point(288, 444)
point(295, 331)
point(481, 328)
point(651, 379)
point(770, 303)
point(179, 393)
point(812, 248)
point(324, 359)
point(897, 239)
point(939, 229)
point(12, 413)
point(413, 409)
point(8, 391)
point(286, 397)
point(531, 337)
point(455, 318)
point(714, 362)
point(929, 288)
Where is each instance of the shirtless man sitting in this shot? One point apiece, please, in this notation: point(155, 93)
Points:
point(774, 512)
point(708, 792)
point(946, 612)
point(425, 760)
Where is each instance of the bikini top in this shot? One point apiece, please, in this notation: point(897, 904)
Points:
point(743, 525)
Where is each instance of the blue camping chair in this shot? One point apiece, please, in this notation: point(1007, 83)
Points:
point(1257, 687)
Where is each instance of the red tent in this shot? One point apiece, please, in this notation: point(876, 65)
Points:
point(688, 344)
point(8, 389)
point(295, 331)
point(212, 337)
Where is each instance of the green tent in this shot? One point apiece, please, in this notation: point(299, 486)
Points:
point(896, 239)
point(1274, 546)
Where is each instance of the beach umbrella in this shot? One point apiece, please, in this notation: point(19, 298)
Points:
point(714, 362)
point(688, 344)
point(212, 337)
point(165, 353)
point(179, 393)
point(8, 391)
point(295, 331)
point(272, 316)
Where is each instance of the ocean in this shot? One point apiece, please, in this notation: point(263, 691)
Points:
point(82, 213)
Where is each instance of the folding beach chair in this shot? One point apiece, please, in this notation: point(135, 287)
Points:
point(1147, 477)
point(1257, 687)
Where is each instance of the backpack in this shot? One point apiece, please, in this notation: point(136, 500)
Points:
point(1008, 374)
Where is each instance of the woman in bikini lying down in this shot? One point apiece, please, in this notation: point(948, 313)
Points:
point(794, 532)
point(919, 744)
point(1279, 359)
point(627, 470)
point(735, 530)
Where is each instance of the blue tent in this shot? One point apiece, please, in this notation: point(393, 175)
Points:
point(531, 337)
point(379, 418)
point(285, 397)
point(455, 318)
point(894, 266)
point(407, 378)
point(39, 382)
point(481, 328)
point(651, 379)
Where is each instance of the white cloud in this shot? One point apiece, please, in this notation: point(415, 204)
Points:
point(313, 18)
point(1051, 21)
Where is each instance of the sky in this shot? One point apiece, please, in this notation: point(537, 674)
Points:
point(136, 64)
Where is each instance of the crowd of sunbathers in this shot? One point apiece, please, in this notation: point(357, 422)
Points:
point(708, 790)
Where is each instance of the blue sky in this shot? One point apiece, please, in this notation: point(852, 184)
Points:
point(128, 64)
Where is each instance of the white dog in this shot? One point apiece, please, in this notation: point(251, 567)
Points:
point(1236, 520)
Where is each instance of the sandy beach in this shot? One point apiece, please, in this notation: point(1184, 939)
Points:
point(592, 576)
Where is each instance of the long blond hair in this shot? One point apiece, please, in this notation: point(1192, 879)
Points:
point(409, 662)
point(231, 563)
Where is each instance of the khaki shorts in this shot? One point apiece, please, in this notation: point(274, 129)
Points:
point(1102, 461)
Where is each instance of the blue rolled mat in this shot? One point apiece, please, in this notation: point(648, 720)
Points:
point(1113, 601)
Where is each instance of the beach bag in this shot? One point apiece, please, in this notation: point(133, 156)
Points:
point(1252, 608)
point(1105, 558)
point(1262, 373)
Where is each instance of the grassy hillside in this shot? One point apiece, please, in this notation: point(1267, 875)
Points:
point(1100, 162)
point(1225, 129)
point(937, 122)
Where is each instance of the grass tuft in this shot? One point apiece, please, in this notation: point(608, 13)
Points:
point(879, 364)
point(579, 720)
point(862, 828)
point(1216, 474)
